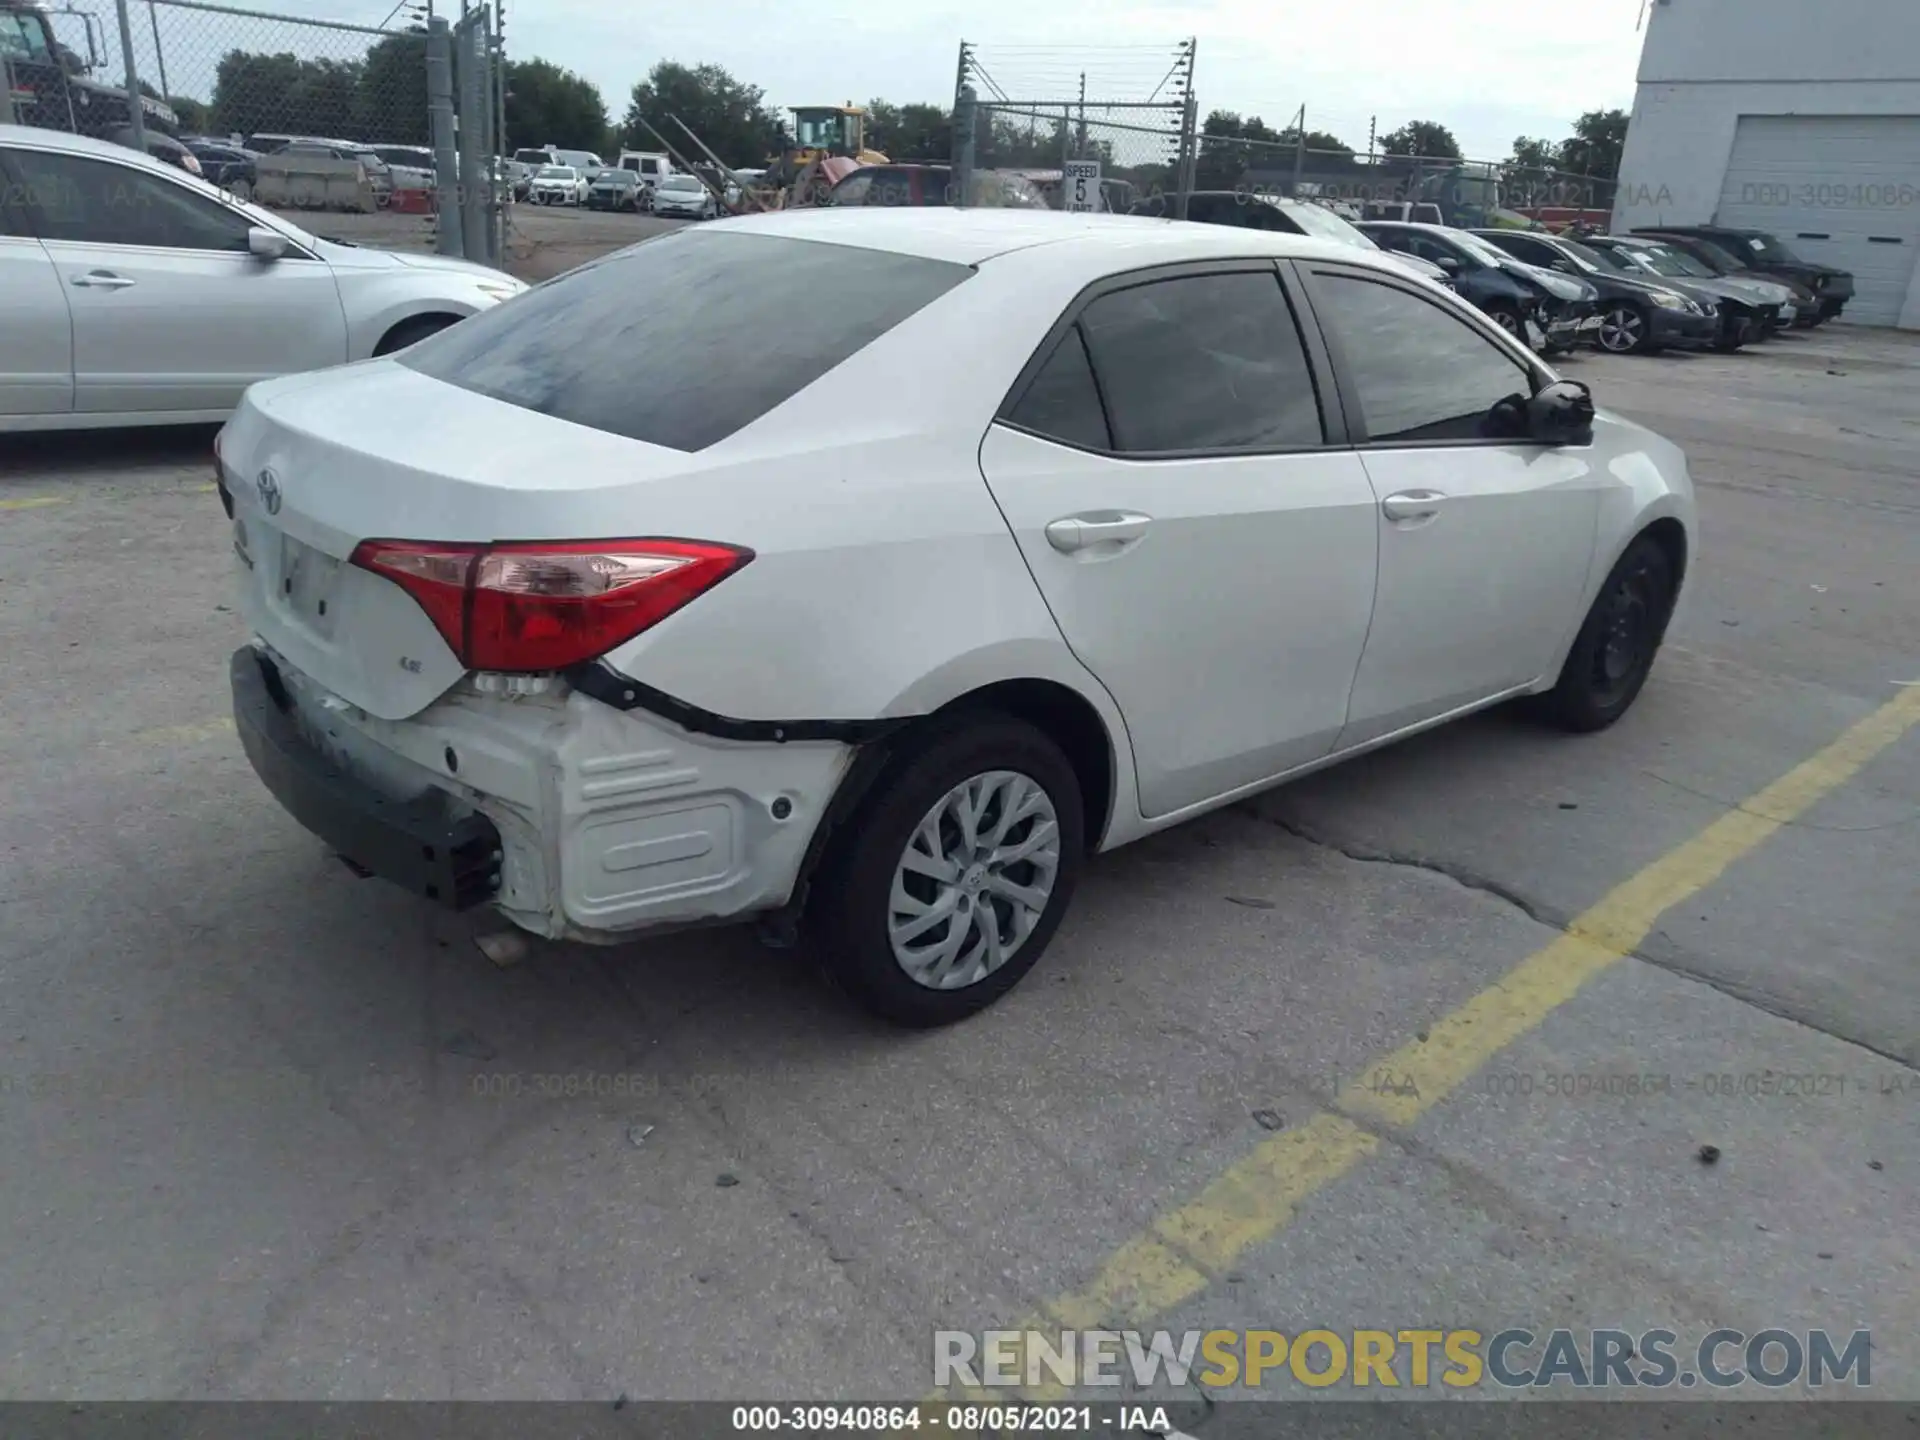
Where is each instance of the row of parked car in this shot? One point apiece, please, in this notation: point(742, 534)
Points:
point(1684, 287)
point(639, 181)
point(677, 195)
point(1681, 287)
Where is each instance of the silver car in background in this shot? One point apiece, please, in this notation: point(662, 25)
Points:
point(132, 293)
point(683, 196)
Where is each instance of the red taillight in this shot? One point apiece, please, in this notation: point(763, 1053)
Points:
point(545, 605)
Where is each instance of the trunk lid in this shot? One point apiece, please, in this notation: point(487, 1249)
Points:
point(317, 463)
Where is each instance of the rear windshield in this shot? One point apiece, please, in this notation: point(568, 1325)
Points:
point(685, 338)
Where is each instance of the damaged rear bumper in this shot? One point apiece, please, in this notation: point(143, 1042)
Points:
point(595, 823)
point(419, 844)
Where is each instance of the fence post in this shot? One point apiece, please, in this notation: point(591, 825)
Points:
point(137, 116)
point(479, 153)
point(471, 134)
point(1189, 155)
point(446, 167)
point(1299, 151)
point(499, 185)
point(964, 138)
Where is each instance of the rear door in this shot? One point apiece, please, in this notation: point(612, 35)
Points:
point(1484, 542)
point(170, 312)
point(1204, 540)
point(36, 332)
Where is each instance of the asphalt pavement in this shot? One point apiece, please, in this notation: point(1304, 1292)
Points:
point(1495, 1029)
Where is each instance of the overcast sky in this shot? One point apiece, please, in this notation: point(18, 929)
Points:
point(1488, 69)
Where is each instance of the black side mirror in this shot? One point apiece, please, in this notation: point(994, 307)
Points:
point(1561, 414)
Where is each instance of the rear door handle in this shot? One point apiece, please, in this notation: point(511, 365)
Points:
point(1104, 527)
point(101, 280)
point(1413, 505)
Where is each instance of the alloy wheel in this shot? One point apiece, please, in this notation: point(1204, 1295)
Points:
point(1507, 321)
point(974, 880)
point(1621, 330)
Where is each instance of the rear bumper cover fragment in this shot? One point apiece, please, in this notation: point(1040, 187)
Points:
point(417, 844)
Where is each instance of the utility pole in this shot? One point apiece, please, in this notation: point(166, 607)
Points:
point(960, 75)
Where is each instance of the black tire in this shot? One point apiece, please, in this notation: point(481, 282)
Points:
point(1625, 329)
point(852, 895)
point(1508, 319)
point(1601, 678)
point(408, 332)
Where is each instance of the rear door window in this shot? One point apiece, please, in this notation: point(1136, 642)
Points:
point(1062, 402)
point(682, 340)
point(1205, 362)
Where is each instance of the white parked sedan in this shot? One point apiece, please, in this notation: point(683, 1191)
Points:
point(134, 294)
point(560, 185)
point(581, 610)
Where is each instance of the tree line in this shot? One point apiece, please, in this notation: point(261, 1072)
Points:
point(382, 97)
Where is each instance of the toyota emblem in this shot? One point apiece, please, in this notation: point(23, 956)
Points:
point(269, 484)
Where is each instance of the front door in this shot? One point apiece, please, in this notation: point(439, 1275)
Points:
point(1205, 554)
point(170, 311)
point(1484, 542)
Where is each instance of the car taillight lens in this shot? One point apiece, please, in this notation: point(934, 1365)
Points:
point(546, 605)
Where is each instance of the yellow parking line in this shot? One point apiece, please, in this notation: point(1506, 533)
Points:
point(1257, 1195)
point(182, 734)
point(32, 502)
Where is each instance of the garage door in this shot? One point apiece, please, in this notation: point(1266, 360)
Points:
point(1837, 190)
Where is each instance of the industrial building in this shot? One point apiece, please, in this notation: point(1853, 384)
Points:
point(1788, 116)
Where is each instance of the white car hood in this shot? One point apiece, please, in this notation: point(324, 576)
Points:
point(361, 257)
point(448, 265)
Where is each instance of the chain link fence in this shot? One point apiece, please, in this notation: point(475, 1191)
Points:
point(295, 113)
point(1443, 190)
point(1095, 128)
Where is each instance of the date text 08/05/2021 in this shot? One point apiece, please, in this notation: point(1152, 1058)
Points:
point(957, 1419)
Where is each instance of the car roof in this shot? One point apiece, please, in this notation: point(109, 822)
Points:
point(972, 236)
point(59, 140)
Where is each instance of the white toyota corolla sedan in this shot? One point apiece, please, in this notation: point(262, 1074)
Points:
point(133, 293)
point(865, 571)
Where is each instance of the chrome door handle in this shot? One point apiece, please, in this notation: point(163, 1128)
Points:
point(101, 280)
point(1107, 527)
point(1412, 505)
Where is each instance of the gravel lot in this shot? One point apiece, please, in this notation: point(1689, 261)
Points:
point(271, 1131)
point(542, 240)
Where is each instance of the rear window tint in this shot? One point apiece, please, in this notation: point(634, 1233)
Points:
point(682, 340)
point(1063, 402)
